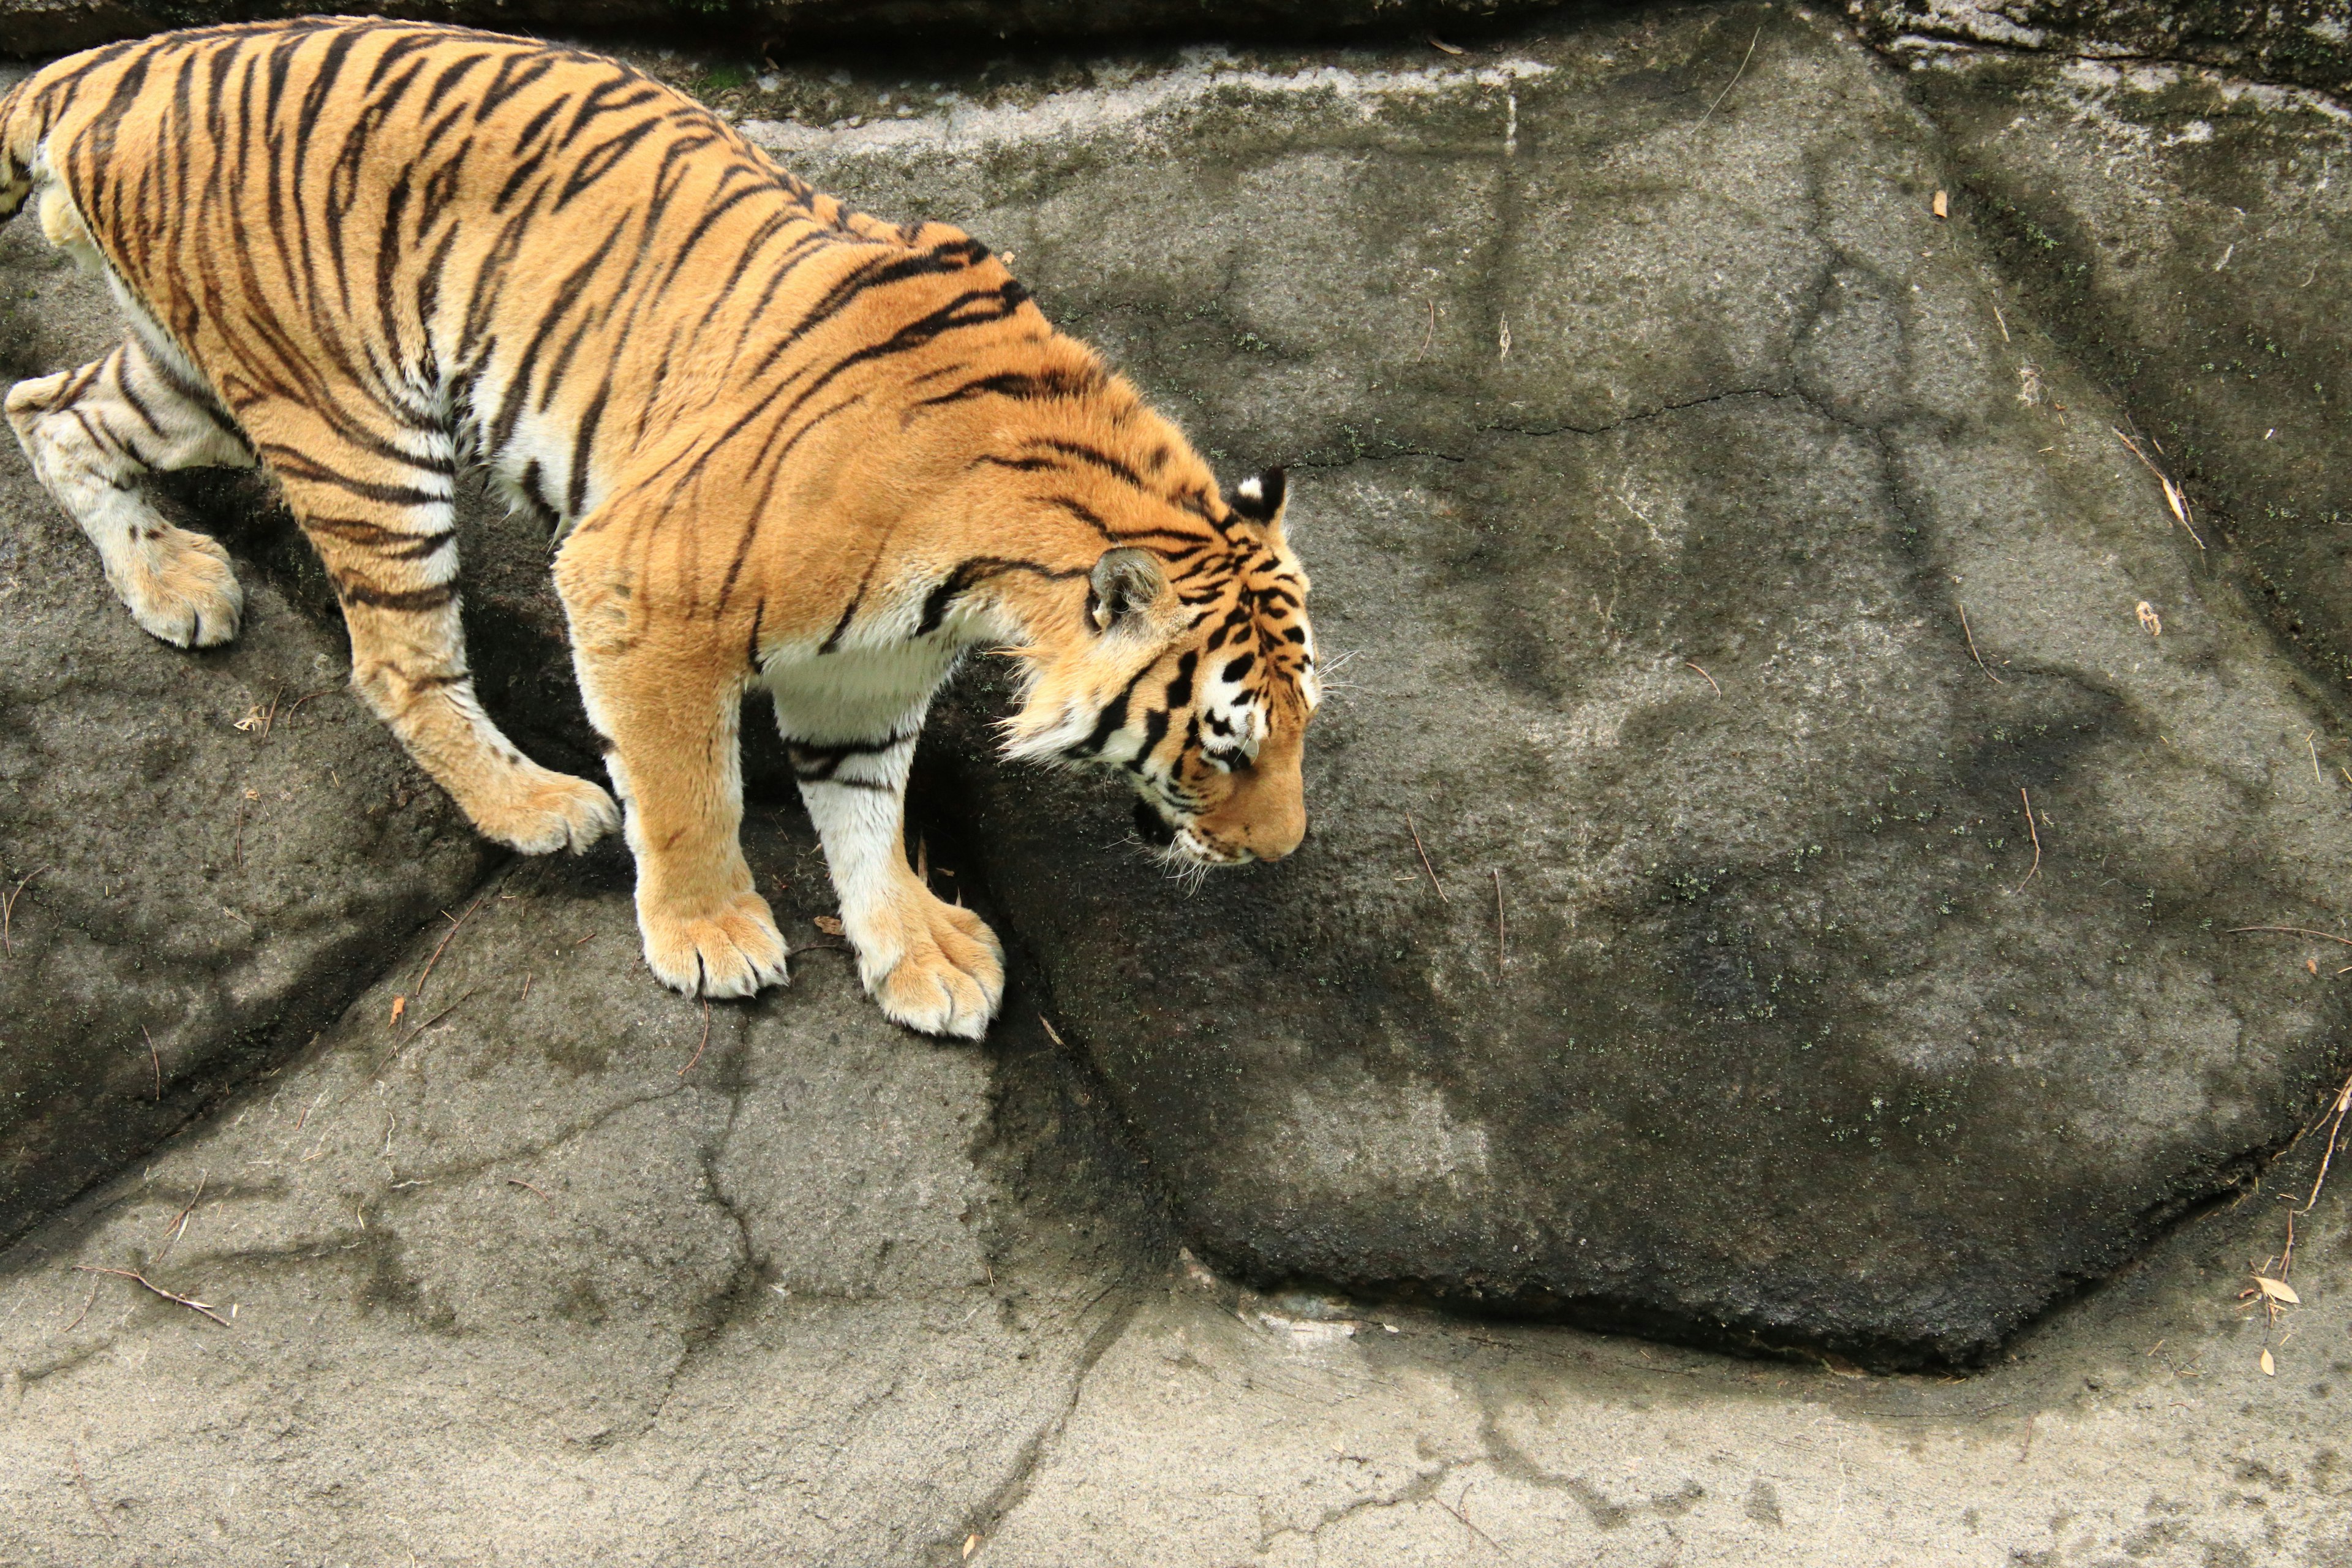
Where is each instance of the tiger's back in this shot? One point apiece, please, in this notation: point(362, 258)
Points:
point(782, 442)
point(534, 254)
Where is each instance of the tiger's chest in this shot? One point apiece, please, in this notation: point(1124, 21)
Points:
point(861, 693)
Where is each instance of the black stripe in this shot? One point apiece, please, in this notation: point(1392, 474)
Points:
point(1111, 721)
point(970, 575)
point(412, 599)
point(833, 640)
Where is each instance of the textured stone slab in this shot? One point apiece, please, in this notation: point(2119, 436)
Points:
point(559, 1266)
point(2303, 42)
point(2186, 235)
point(1650, 437)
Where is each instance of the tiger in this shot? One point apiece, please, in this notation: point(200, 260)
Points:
point(777, 445)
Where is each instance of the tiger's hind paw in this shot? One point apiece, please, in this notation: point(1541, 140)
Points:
point(181, 588)
point(733, 950)
point(941, 971)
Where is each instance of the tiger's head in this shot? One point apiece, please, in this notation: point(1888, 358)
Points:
point(1193, 671)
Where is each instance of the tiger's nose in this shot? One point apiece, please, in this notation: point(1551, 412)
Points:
point(1274, 839)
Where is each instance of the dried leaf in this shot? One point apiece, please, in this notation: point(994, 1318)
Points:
point(1442, 46)
point(253, 719)
point(2151, 620)
point(2312, 964)
point(2172, 499)
point(828, 925)
point(1943, 208)
point(2270, 1369)
point(971, 1541)
point(2277, 1289)
point(399, 1005)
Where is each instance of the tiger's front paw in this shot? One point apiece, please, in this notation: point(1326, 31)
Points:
point(932, 966)
point(731, 948)
point(180, 588)
point(539, 811)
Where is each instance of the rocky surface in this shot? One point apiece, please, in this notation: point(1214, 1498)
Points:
point(2298, 41)
point(203, 856)
point(556, 1265)
point(1644, 463)
point(1651, 438)
point(1734, 999)
point(2185, 236)
point(802, 1302)
point(49, 26)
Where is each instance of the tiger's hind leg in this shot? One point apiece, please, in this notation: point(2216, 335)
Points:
point(384, 526)
point(91, 436)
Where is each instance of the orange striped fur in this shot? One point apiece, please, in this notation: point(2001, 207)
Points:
point(781, 445)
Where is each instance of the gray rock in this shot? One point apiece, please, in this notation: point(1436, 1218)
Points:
point(560, 1265)
point(1650, 437)
point(2302, 41)
point(2185, 236)
point(1652, 434)
point(188, 900)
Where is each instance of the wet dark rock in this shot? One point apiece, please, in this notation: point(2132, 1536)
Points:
point(2185, 236)
point(1645, 454)
point(2302, 41)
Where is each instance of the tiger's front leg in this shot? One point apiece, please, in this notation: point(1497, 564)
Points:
point(932, 965)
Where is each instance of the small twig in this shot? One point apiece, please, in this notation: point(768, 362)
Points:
point(698, 1043)
point(526, 990)
point(2295, 931)
point(441, 1015)
point(237, 844)
point(1052, 1033)
point(89, 1496)
point(1464, 1520)
point(1424, 859)
point(1735, 76)
point(2174, 497)
point(1702, 675)
point(410, 1039)
point(2343, 1104)
point(9, 910)
point(1498, 923)
point(180, 1225)
point(86, 1306)
point(156, 1057)
point(519, 1181)
point(1998, 321)
point(1428, 331)
point(295, 706)
point(2035, 870)
point(134, 1274)
point(1973, 653)
point(457, 923)
point(2317, 776)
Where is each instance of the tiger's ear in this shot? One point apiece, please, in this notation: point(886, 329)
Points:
point(1122, 588)
point(1260, 499)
